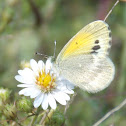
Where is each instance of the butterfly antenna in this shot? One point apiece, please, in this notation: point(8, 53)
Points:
point(45, 56)
point(54, 55)
point(111, 10)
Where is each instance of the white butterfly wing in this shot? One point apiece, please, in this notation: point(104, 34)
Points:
point(88, 72)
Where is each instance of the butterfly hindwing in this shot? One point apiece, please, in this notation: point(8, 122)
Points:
point(88, 72)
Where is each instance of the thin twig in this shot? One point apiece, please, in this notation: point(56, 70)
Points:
point(27, 117)
point(44, 117)
point(34, 117)
point(110, 113)
point(68, 104)
point(111, 10)
point(47, 117)
point(35, 10)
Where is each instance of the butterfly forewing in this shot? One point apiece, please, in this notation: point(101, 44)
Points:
point(93, 38)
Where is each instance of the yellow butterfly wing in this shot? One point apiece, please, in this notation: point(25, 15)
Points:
point(84, 59)
point(93, 38)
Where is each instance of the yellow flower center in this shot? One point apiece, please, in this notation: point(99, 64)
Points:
point(46, 82)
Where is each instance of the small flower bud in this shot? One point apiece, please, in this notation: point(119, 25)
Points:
point(25, 105)
point(10, 111)
point(58, 118)
point(4, 94)
point(25, 64)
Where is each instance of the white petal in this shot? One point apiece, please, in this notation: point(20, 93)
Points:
point(25, 85)
point(41, 65)
point(20, 78)
point(59, 78)
point(24, 80)
point(20, 72)
point(34, 66)
point(35, 93)
point(68, 91)
point(65, 86)
point(66, 96)
point(25, 91)
point(61, 86)
point(68, 84)
point(52, 101)
point(38, 100)
point(48, 65)
point(65, 81)
point(27, 74)
point(29, 91)
point(59, 97)
point(26, 71)
point(45, 102)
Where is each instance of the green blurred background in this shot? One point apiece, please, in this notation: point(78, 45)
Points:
point(29, 26)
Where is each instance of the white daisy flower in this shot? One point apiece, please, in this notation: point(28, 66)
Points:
point(43, 83)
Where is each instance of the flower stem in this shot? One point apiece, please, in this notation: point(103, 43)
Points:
point(41, 115)
point(34, 118)
point(46, 116)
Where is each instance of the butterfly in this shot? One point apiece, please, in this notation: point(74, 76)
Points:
point(84, 60)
